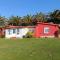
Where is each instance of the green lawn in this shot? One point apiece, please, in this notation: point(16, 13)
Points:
point(30, 49)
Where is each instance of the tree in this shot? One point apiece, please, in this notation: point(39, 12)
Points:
point(14, 20)
point(2, 21)
point(38, 17)
point(27, 20)
point(55, 17)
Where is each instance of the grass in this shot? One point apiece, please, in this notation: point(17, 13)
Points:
point(30, 49)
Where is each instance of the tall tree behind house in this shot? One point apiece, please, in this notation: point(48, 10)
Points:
point(55, 17)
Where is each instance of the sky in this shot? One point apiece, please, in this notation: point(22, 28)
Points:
point(23, 7)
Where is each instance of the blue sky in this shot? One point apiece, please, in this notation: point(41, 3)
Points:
point(24, 7)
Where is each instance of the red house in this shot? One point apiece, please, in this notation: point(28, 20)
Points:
point(2, 33)
point(46, 30)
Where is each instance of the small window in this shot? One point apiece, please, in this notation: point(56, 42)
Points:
point(46, 29)
point(17, 31)
point(14, 31)
point(9, 31)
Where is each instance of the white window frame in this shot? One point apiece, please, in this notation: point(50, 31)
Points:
point(46, 30)
point(18, 31)
point(9, 31)
point(14, 31)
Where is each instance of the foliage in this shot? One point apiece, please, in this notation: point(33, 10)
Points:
point(2, 21)
point(55, 17)
point(14, 20)
point(29, 35)
point(31, 20)
point(40, 17)
point(27, 19)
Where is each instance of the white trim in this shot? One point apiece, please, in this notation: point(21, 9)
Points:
point(46, 30)
point(47, 36)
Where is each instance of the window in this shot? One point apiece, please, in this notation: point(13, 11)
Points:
point(46, 29)
point(9, 31)
point(17, 31)
point(14, 31)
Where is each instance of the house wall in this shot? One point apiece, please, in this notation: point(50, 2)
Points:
point(22, 32)
point(2, 33)
point(39, 31)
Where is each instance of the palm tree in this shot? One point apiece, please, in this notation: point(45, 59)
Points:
point(40, 17)
point(2, 21)
point(14, 20)
point(55, 16)
point(27, 19)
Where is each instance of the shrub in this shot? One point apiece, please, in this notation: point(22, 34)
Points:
point(29, 35)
